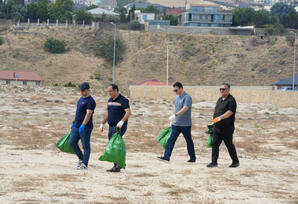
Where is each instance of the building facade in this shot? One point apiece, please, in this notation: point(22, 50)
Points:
point(207, 16)
point(20, 78)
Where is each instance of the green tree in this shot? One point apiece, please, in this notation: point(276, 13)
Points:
point(82, 15)
point(280, 9)
point(150, 9)
point(131, 14)
point(105, 49)
point(38, 10)
point(261, 18)
point(173, 19)
point(242, 17)
point(61, 10)
point(122, 11)
point(290, 21)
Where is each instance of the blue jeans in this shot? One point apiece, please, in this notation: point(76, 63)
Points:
point(186, 131)
point(113, 130)
point(85, 140)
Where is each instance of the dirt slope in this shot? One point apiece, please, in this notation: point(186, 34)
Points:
point(193, 59)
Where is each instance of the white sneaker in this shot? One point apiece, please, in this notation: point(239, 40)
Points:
point(82, 167)
point(79, 163)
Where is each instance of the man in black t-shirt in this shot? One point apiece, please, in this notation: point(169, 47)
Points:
point(223, 120)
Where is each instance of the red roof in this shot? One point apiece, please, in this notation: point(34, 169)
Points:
point(20, 75)
point(152, 82)
point(175, 11)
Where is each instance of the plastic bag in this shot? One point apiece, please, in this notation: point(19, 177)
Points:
point(210, 132)
point(63, 144)
point(164, 136)
point(115, 151)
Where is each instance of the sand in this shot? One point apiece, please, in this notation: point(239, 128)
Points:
point(33, 170)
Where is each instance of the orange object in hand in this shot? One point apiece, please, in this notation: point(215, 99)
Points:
point(216, 120)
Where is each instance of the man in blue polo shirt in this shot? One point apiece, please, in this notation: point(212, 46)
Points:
point(118, 112)
point(82, 126)
point(181, 123)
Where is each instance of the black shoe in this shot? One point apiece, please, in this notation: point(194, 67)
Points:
point(234, 165)
point(211, 165)
point(114, 169)
point(163, 158)
point(192, 160)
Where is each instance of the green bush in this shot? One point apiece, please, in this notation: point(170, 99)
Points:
point(1, 40)
point(69, 84)
point(82, 15)
point(56, 84)
point(274, 29)
point(105, 49)
point(54, 46)
point(135, 25)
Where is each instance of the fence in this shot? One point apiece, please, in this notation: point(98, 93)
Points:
point(243, 94)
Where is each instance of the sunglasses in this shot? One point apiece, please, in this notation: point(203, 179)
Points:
point(222, 89)
point(175, 90)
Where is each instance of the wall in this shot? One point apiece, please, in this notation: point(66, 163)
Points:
point(18, 83)
point(243, 94)
point(198, 30)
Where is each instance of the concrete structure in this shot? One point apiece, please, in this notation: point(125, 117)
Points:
point(20, 78)
point(243, 94)
point(206, 15)
point(202, 30)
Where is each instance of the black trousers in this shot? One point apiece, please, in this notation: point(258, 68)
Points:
point(225, 135)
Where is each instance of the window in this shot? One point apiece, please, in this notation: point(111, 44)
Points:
point(24, 82)
point(38, 83)
point(7, 82)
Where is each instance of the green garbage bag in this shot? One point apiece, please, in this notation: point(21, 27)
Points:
point(164, 136)
point(210, 132)
point(63, 144)
point(115, 151)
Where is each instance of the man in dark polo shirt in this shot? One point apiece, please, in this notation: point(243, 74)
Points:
point(82, 126)
point(223, 120)
point(118, 112)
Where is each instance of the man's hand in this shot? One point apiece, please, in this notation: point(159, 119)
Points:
point(172, 118)
point(216, 120)
point(101, 128)
point(120, 124)
point(72, 125)
point(82, 129)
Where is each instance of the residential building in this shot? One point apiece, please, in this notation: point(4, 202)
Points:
point(285, 83)
point(107, 4)
point(151, 82)
point(144, 17)
point(20, 78)
point(176, 12)
point(98, 12)
point(137, 5)
point(207, 15)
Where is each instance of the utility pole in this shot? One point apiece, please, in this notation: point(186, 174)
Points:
point(114, 56)
point(167, 65)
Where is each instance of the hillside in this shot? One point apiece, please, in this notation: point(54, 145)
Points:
point(193, 59)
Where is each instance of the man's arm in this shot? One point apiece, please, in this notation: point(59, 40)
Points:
point(127, 114)
point(182, 111)
point(226, 115)
point(105, 118)
point(87, 116)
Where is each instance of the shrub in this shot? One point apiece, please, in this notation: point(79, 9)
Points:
point(69, 84)
point(82, 15)
point(54, 46)
point(56, 84)
point(105, 49)
point(1, 40)
point(135, 25)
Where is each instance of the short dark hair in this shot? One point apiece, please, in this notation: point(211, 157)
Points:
point(114, 87)
point(178, 84)
point(226, 84)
